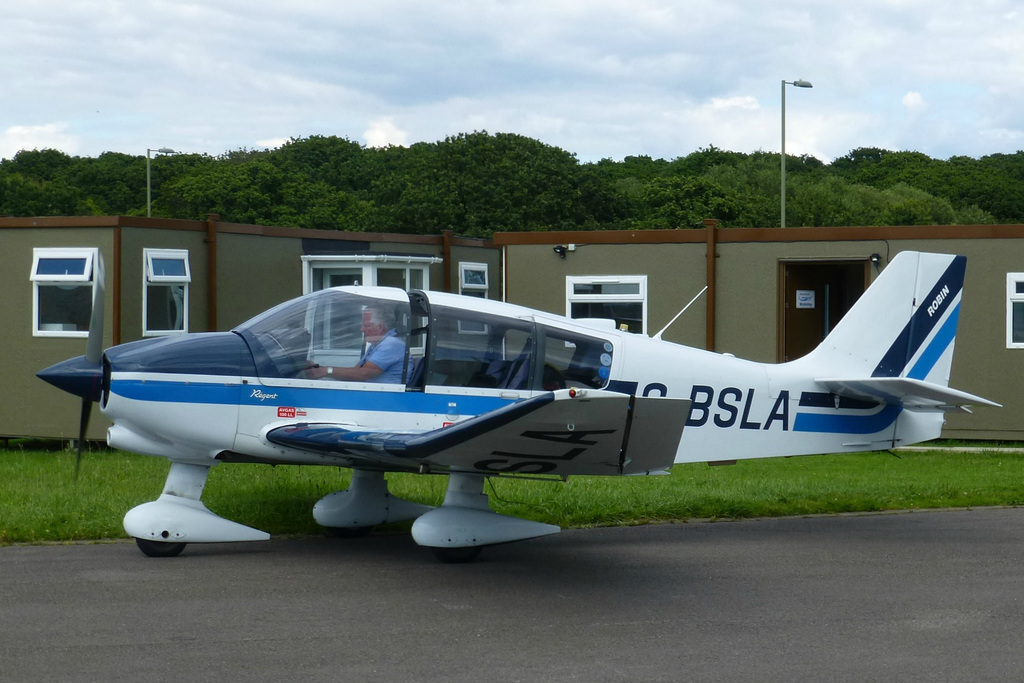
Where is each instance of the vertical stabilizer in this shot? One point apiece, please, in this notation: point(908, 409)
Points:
point(904, 325)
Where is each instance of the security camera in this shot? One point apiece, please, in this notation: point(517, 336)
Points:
point(560, 250)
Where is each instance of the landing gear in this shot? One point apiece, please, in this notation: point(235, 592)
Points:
point(162, 527)
point(159, 548)
point(366, 503)
point(464, 524)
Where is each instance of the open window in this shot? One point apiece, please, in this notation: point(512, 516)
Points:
point(62, 291)
point(622, 298)
point(165, 294)
point(473, 279)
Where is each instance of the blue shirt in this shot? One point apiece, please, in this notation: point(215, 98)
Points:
point(388, 354)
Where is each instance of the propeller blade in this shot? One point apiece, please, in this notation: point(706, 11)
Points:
point(83, 425)
point(94, 348)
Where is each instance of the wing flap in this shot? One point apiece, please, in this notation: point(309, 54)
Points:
point(654, 434)
point(912, 394)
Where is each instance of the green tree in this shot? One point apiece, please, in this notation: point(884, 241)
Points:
point(245, 192)
point(479, 183)
point(683, 202)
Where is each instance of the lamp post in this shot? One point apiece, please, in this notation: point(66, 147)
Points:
point(149, 178)
point(799, 84)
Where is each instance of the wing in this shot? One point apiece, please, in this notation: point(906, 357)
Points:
point(566, 432)
point(912, 394)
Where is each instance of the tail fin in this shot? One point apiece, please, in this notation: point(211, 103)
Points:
point(903, 325)
point(896, 343)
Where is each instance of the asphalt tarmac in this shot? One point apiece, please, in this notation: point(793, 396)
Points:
point(922, 596)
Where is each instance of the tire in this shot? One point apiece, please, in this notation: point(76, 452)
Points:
point(159, 548)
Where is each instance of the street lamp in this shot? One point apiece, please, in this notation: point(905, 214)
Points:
point(799, 84)
point(149, 178)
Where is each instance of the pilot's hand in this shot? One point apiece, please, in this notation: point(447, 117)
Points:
point(315, 371)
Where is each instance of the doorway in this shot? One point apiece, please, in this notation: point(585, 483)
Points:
point(815, 297)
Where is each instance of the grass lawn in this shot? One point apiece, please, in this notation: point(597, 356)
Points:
point(40, 500)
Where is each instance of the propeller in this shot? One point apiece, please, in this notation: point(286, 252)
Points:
point(83, 375)
point(93, 352)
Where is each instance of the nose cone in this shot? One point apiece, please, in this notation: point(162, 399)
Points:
point(76, 376)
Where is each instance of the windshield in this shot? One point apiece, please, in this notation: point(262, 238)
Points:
point(331, 330)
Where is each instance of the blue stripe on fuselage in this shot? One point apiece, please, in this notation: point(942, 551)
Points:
point(847, 424)
point(219, 393)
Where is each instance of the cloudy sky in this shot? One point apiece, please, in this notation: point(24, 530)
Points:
point(599, 78)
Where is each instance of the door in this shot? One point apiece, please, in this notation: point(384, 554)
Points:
point(816, 295)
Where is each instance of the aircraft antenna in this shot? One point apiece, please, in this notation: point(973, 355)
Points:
point(658, 336)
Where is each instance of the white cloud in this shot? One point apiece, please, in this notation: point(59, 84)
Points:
point(720, 104)
point(43, 136)
point(914, 103)
point(271, 143)
point(383, 133)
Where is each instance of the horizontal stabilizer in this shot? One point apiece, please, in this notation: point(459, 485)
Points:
point(912, 394)
point(566, 432)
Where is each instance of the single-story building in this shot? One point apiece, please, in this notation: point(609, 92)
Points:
point(166, 276)
point(773, 293)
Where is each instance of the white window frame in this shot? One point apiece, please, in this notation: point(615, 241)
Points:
point(1012, 297)
point(368, 263)
point(640, 297)
point(472, 288)
point(90, 254)
point(149, 277)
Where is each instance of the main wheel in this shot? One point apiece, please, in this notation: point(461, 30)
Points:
point(159, 548)
point(457, 555)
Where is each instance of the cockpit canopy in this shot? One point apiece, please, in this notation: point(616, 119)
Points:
point(454, 344)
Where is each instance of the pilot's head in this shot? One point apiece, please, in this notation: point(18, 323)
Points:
point(377, 320)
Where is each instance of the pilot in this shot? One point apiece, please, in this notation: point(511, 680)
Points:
point(384, 357)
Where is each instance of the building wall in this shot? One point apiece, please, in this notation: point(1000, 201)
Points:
point(748, 290)
point(28, 406)
point(134, 240)
point(675, 274)
point(255, 272)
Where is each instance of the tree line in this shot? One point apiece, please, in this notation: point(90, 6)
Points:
point(479, 183)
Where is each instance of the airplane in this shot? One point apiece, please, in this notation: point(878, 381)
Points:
point(477, 388)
